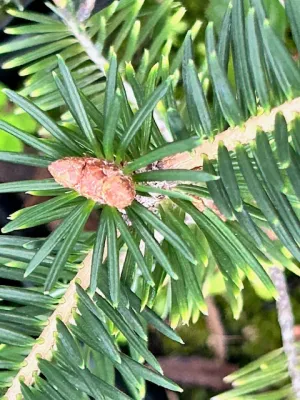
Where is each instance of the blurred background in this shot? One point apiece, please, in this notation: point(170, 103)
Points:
point(216, 345)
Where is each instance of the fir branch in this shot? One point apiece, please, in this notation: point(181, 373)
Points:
point(243, 134)
point(286, 322)
point(44, 344)
point(187, 161)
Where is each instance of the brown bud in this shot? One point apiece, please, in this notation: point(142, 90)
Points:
point(95, 179)
point(118, 191)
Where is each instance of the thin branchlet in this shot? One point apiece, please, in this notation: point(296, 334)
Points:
point(286, 322)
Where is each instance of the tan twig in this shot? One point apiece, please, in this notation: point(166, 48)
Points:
point(286, 322)
point(231, 137)
point(45, 343)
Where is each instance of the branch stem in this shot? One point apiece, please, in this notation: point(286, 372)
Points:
point(45, 343)
point(286, 322)
point(242, 134)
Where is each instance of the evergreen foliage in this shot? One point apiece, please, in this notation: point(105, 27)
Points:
point(168, 251)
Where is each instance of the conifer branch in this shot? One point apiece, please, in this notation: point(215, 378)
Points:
point(186, 160)
point(245, 134)
point(45, 343)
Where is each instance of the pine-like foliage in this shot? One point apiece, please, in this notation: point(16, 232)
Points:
point(139, 111)
point(264, 379)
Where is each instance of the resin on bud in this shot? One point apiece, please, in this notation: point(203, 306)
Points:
point(99, 180)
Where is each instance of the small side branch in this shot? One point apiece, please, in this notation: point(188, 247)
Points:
point(286, 322)
point(46, 341)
